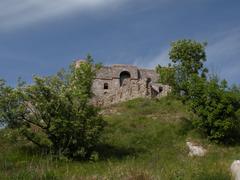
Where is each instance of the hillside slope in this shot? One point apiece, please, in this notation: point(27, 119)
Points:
point(144, 139)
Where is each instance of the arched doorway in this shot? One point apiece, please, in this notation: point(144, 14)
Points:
point(123, 76)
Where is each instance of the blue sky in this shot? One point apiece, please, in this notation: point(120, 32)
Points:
point(42, 36)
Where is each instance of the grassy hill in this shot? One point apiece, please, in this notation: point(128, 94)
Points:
point(144, 139)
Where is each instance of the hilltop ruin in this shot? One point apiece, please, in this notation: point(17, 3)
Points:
point(121, 82)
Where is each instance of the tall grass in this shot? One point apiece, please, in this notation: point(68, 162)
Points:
point(145, 139)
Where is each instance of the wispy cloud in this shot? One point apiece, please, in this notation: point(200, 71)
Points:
point(16, 13)
point(224, 55)
point(152, 61)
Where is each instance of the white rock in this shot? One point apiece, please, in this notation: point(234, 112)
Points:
point(235, 169)
point(195, 150)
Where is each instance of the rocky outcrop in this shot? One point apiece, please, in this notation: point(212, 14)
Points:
point(195, 150)
point(235, 169)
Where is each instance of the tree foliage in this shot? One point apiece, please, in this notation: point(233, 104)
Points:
point(216, 105)
point(217, 108)
point(167, 75)
point(188, 57)
point(55, 112)
point(10, 109)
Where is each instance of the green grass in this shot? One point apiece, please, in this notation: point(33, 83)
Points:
point(144, 139)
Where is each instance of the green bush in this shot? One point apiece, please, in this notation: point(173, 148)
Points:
point(55, 112)
point(217, 108)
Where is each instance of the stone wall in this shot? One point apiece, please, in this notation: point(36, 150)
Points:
point(120, 82)
point(131, 89)
point(148, 73)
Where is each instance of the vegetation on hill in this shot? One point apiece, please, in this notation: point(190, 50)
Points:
point(215, 104)
point(144, 139)
point(55, 112)
point(53, 132)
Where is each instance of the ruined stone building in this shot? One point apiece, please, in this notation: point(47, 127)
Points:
point(120, 82)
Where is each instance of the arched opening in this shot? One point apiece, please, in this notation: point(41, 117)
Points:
point(105, 86)
point(124, 76)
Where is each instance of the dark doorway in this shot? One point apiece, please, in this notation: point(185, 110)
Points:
point(124, 75)
point(105, 85)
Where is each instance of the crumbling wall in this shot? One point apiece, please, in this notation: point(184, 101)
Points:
point(118, 68)
point(148, 73)
point(131, 89)
point(110, 85)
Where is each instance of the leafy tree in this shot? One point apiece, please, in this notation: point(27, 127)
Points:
point(188, 57)
point(55, 112)
point(216, 105)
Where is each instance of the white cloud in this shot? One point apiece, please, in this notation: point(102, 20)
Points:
point(151, 62)
point(17, 13)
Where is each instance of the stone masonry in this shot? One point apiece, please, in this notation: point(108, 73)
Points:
point(122, 82)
